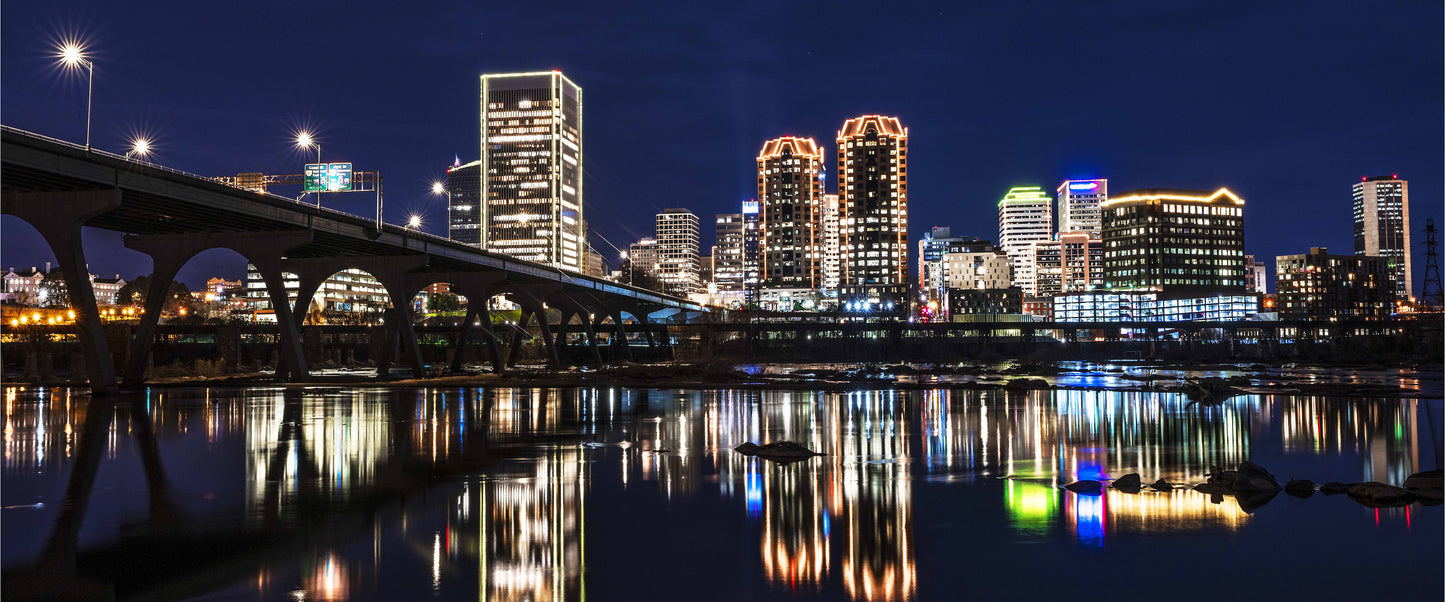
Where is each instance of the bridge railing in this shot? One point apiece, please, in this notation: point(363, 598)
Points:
point(540, 270)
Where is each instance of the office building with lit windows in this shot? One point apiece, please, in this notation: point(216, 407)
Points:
point(464, 207)
point(1320, 286)
point(790, 194)
point(531, 168)
point(1074, 262)
point(729, 269)
point(1025, 217)
point(677, 251)
point(1079, 202)
point(1178, 240)
point(1382, 226)
point(937, 243)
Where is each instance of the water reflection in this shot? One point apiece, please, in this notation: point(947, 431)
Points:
point(324, 467)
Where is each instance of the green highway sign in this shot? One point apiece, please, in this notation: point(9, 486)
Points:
point(327, 177)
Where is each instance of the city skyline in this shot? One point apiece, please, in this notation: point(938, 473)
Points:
point(1292, 155)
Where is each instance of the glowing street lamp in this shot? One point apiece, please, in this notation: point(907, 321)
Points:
point(72, 55)
point(139, 147)
point(304, 139)
point(414, 222)
point(439, 188)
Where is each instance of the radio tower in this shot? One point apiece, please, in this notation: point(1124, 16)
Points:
point(1431, 293)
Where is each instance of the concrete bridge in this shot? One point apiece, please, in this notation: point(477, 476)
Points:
point(58, 188)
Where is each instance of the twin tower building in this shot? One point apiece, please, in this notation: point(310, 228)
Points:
point(524, 196)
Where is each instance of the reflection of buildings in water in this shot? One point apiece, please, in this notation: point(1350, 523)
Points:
point(1114, 512)
point(317, 447)
point(40, 429)
point(796, 524)
point(531, 544)
point(1081, 434)
point(1033, 508)
point(871, 453)
point(1384, 433)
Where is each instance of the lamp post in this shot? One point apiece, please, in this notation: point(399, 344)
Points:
point(414, 222)
point(305, 140)
point(439, 188)
point(73, 55)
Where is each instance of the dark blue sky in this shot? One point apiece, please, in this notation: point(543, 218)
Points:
point(1286, 104)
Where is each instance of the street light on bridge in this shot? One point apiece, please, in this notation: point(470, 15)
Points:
point(139, 147)
point(304, 139)
point(414, 222)
point(72, 55)
point(438, 188)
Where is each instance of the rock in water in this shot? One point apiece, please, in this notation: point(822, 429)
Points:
point(1086, 487)
point(1380, 495)
point(1253, 477)
point(1161, 485)
point(1334, 488)
point(1430, 496)
point(1428, 479)
point(778, 450)
point(1300, 488)
point(1128, 483)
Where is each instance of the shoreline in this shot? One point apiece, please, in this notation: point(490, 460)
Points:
point(1252, 378)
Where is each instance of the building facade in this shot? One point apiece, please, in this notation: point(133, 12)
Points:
point(350, 291)
point(1382, 227)
point(464, 205)
point(1073, 262)
point(1256, 276)
point(531, 168)
point(1079, 202)
point(1185, 240)
point(642, 258)
point(790, 193)
point(1320, 286)
point(832, 244)
point(937, 244)
point(873, 201)
point(1025, 217)
point(729, 269)
point(1151, 306)
point(677, 251)
point(984, 269)
point(985, 305)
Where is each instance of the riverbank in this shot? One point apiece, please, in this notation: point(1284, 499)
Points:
point(1199, 380)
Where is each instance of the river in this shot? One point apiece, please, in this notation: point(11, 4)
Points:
point(328, 493)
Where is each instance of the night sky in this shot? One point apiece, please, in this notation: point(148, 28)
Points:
point(1287, 105)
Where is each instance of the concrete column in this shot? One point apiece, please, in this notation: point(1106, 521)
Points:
point(59, 216)
point(516, 350)
point(459, 345)
point(291, 362)
point(168, 253)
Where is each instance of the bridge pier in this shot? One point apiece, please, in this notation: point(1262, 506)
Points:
point(169, 252)
point(479, 289)
point(59, 216)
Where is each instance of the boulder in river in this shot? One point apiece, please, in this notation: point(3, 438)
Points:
point(1128, 483)
point(1300, 488)
point(1335, 488)
point(781, 451)
point(1161, 485)
point(1086, 487)
point(1430, 478)
point(1430, 496)
point(1253, 477)
point(1380, 495)
point(1249, 501)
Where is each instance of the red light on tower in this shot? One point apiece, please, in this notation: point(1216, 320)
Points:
point(1395, 176)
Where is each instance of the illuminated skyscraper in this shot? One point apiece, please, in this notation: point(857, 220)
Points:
point(532, 168)
point(873, 200)
point(1382, 227)
point(1183, 240)
point(464, 192)
point(729, 269)
point(677, 251)
point(1079, 202)
point(1025, 217)
point(791, 195)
